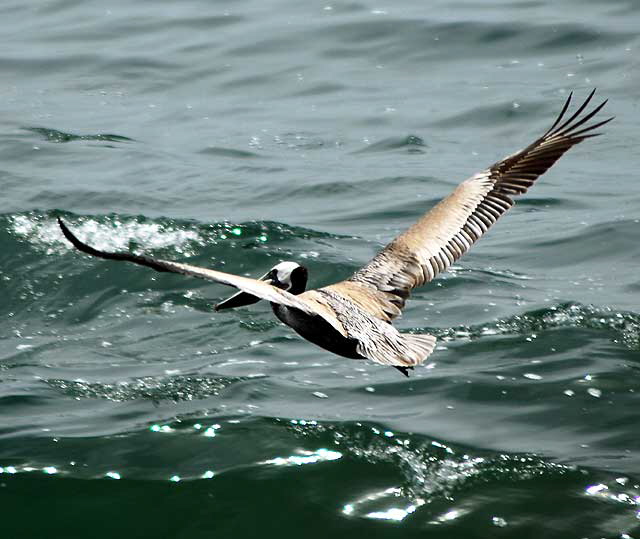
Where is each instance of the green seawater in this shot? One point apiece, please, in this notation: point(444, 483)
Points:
point(235, 134)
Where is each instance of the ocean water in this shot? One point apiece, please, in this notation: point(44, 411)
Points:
point(235, 134)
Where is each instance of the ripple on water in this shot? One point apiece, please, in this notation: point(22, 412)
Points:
point(625, 324)
point(156, 389)
point(56, 136)
point(409, 144)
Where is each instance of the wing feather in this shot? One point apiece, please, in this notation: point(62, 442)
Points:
point(257, 288)
point(449, 230)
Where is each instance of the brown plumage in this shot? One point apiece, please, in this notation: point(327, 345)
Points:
point(449, 230)
point(353, 317)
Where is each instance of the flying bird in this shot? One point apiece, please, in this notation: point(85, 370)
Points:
point(353, 318)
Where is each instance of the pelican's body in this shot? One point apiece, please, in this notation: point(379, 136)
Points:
point(317, 331)
point(353, 318)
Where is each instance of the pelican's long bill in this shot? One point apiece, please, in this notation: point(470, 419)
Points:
point(242, 299)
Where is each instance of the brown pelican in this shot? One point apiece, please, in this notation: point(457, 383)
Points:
point(353, 318)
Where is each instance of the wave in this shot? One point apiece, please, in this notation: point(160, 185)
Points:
point(173, 388)
point(423, 482)
point(625, 325)
point(56, 136)
point(121, 232)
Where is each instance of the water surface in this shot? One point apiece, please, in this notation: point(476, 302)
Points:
point(238, 134)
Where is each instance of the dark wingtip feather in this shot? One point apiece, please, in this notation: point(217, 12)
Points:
point(74, 240)
point(576, 114)
point(157, 265)
point(570, 130)
point(561, 115)
point(81, 246)
point(536, 158)
point(580, 134)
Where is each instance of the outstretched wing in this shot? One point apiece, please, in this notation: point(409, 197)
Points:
point(260, 289)
point(446, 232)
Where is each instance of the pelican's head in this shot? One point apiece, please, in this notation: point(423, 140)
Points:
point(289, 276)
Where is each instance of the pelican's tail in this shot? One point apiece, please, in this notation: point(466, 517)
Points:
point(418, 348)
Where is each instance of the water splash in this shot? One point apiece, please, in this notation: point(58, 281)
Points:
point(118, 233)
point(433, 471)
point(305, 457)
point(107, 234)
